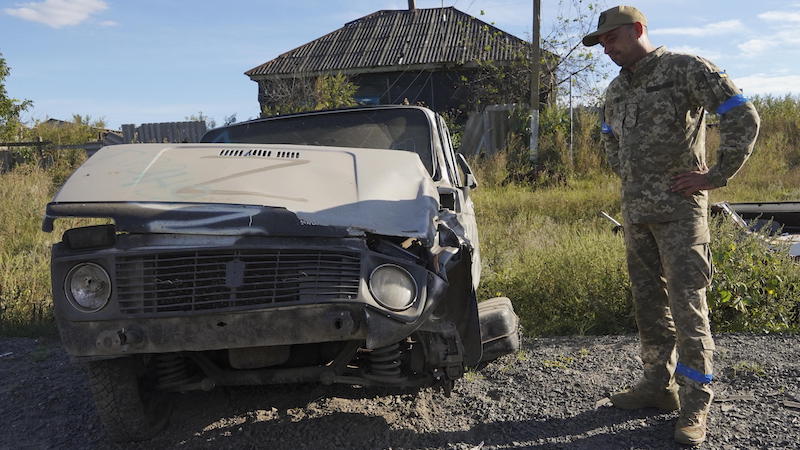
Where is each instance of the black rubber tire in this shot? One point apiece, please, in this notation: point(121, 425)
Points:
point(128, 409)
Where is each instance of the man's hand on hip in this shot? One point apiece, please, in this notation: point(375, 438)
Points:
point(688, 183)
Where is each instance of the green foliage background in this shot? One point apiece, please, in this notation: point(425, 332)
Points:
point(323, 92)
point(545, 248)
point(25, 297)
point(543, 244)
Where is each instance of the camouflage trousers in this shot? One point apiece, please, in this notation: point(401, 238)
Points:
point(670, 268)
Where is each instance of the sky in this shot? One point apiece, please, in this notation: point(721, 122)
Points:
point(140, 61)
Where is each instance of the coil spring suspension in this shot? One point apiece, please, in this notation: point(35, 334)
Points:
point(171, 370)
point(385, 361)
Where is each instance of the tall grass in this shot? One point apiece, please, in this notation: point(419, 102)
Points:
point(24, 257)
point(25, 295)
point(542, 242)
point(545, 248)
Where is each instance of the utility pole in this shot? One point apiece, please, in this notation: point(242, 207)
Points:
point(536, 56)
point(571, 128)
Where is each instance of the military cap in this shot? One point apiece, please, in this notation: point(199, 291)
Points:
point(611, 19)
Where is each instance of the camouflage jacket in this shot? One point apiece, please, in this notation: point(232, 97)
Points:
point(654, 128)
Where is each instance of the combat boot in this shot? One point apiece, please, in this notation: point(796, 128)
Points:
point(691, 428)
point(646, 396)
point(695, 403)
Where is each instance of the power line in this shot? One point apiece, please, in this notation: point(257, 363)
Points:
point(409, 84)
point(421, 88)
point(470, 6)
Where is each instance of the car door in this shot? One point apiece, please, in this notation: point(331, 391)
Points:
point(458, 172)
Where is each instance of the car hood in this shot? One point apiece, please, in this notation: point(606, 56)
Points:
point(380, 191)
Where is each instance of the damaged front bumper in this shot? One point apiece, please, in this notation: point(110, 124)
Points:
point(173, 293)
point(284, 326)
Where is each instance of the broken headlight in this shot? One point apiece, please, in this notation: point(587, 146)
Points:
point(88, 287)
point(393, 287)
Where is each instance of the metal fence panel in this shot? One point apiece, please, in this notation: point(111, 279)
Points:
point(176, 132)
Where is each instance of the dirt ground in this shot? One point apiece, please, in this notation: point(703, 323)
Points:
point(552, 394)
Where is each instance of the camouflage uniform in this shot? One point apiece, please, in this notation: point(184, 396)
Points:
point(654, 128)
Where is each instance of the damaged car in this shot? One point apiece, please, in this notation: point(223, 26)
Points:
point(327, 247)
point(778, 223)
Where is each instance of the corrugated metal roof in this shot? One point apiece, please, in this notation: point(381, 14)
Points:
point(388, 38)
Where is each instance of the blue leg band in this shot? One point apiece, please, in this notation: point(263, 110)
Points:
point(692, 374)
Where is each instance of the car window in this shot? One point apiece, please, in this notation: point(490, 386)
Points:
point(387, 129)
point(450, 156)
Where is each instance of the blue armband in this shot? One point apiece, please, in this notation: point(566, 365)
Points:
point(688, 372)
point(606, 129)
point(731, 103)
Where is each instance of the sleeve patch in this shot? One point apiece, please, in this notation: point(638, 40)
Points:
point(731, 103)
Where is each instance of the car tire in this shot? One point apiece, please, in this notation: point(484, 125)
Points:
point(127, 407)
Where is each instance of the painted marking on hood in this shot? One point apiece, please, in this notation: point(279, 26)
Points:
point(153, 161)
point(192, 190)
point(198, 188)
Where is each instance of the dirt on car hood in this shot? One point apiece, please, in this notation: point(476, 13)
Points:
point(380, 191)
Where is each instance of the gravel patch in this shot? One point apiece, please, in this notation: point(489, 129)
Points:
point(552, 394)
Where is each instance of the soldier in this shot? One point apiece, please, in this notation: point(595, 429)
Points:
point(654, 134)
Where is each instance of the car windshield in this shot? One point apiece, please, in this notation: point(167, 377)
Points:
point(388, 129)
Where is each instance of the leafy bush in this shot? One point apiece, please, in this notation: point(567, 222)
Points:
point(545, 248)
point(334, 91)
point(63, 161)
point(756, 285)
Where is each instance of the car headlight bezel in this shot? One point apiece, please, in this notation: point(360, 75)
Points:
point(85, 303)
point(382, 293)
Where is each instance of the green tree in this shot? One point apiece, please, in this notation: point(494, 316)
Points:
point(564, 59)
point(334, 91)
point(308, 94)
point(10, 108)
point(583, 66)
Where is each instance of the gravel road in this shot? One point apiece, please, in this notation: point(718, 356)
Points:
point(552, 394)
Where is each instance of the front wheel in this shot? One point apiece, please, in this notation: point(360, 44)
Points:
point(129, 408)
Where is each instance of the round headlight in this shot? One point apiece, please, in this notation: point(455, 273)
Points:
point(393, 287)
point(88, 287)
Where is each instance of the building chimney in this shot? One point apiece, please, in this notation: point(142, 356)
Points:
point(412, 4)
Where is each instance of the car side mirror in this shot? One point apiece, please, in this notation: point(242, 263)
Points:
point(470, 182)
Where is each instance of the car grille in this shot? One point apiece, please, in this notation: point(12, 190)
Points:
point(210, 280)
